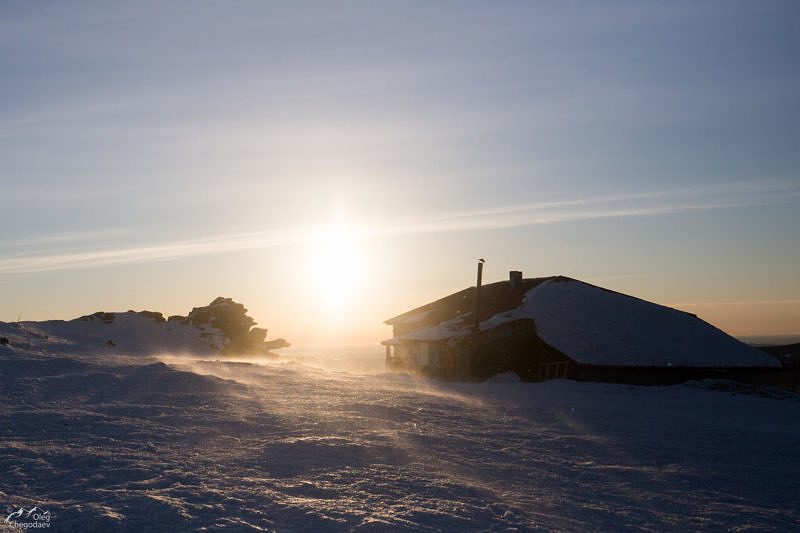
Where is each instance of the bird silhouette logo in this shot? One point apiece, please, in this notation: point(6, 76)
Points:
point(35, 513)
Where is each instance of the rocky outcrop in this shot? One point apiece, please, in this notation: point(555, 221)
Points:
point(152, 315)
point(223, 326)
point(224, 314)
point(230, 318)
point(276, 344)
point(106, 318)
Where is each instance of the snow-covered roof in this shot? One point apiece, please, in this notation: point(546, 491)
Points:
point(449, 329)
point(595, 326)
point(415, 318)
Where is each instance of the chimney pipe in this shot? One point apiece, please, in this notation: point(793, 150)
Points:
point(476, 326)
point(515, 277)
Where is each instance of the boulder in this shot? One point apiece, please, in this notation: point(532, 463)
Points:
point(230, 318)
point(152, 315)
point(257, 335)
point(106, 318)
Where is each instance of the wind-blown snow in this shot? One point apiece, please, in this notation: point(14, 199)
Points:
point(132, 444)
point(599, 327)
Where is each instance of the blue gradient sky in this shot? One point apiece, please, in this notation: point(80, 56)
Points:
point(156, 156)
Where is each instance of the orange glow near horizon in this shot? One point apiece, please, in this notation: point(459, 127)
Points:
point(741, 319)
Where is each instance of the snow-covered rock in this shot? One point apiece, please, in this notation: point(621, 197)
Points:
point(222, 327)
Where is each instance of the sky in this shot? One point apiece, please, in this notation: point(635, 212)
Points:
point(334, 164)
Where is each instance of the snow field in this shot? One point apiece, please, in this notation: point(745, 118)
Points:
point(200, 445)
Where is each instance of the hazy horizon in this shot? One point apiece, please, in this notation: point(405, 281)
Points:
point(333, 165)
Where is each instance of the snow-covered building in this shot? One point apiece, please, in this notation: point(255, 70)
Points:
point(558, 327)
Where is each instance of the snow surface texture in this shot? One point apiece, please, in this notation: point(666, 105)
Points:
point(113, 443)
point(599, 327)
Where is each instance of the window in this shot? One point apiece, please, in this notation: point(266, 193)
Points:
point(553, 370)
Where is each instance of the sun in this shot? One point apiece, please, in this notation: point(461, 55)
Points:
point(338, 266)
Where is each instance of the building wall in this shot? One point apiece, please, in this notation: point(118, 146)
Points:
point(415, 357)
point(513, 347)
point(401, 329)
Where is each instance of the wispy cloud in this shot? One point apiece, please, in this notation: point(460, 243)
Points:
point(161, 252)
point(648, 203)
point(628, 205)
point(64, 238)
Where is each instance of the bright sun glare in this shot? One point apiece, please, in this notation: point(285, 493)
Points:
point(338, 266)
